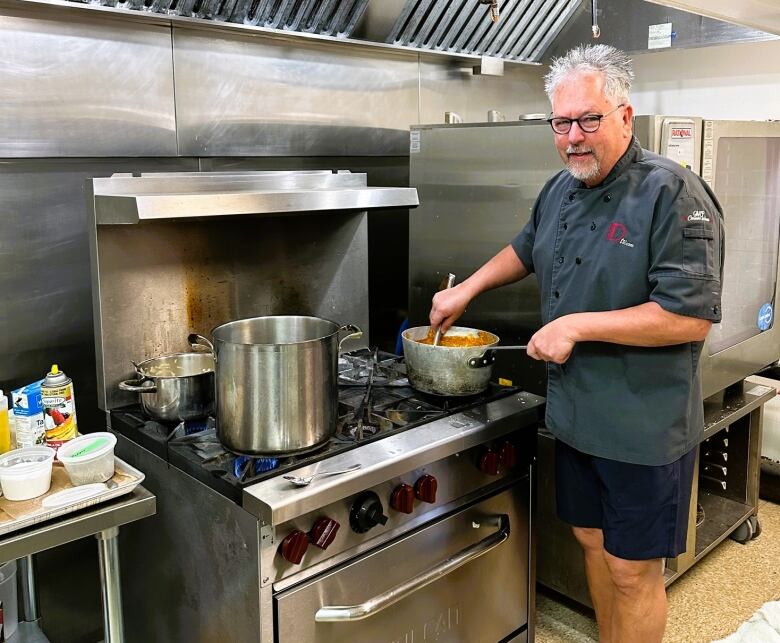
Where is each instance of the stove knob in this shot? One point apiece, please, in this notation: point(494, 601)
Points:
point(367, 512)
point(425, 488)
point(294, 546)
point(323, 532)
point(488, 463)
point(402, 498)
point(508, 455)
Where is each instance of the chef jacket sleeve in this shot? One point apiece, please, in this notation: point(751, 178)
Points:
point(686, 251)
point(523, 243)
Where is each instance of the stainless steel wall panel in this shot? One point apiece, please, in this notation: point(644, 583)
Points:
point(519, 91)
point(85, 87)
point(242, 96)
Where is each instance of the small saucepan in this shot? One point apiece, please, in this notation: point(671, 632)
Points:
point(451, 370)
point(175, 388)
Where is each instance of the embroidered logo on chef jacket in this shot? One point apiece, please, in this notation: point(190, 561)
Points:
point(697, 215)
point(617, 234)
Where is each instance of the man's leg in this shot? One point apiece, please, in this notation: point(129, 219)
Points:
point(602, 590)
point(639, 605)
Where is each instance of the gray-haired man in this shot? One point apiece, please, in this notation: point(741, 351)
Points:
point(627, 248)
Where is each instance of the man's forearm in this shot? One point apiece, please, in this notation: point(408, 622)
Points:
point(504, 268)
point(644, 325)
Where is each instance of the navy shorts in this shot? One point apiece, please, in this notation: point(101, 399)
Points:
point(642, 510)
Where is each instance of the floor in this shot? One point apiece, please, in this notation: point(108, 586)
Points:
point(709, 602)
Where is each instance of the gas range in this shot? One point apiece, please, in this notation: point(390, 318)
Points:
point(435, 507)
point(390, 406)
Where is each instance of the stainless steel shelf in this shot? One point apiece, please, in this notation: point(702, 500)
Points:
point(134, 506)
point(28, 633)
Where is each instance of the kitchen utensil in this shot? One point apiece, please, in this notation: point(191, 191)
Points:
point(447, 370)
point(447, 286)
point(175, 388)
point(277, 382)
point(303, 481)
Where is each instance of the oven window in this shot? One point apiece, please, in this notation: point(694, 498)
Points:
point(747, 184)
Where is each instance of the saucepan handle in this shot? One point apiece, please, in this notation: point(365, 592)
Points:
point(489, 356)
point(201, 343)
point(354, 333)
point(137, 386)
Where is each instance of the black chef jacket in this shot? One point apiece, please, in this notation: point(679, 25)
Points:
point(652, 231)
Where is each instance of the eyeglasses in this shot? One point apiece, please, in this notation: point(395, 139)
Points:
point(588, 123)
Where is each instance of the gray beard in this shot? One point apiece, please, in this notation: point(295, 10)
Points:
point(583, 173)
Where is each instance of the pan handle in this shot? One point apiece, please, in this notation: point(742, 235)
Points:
point(354, 333)
point(136, 386)
point(489, 356)
point(199, 343)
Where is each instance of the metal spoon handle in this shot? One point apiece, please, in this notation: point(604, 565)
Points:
point(354, 467)
point(450, 282)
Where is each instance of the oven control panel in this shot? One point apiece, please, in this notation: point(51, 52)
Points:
point(397, 505)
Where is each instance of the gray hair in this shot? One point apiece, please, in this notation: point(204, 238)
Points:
point(612, 63)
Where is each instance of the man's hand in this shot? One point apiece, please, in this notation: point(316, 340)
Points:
point(553, 342)
point(448, 305)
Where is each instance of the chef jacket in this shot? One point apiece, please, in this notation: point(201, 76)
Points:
point(651, 231)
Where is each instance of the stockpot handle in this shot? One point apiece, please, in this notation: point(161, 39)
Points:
point(136, 386)
point(489, 356)
point(199, 342)
point(345, 613)
point(354, 333)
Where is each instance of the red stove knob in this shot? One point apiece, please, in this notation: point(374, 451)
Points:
point(488, 463)
point(507, 454)
point(323, 532)
point(425, 488)
point(294, 546)
point(402, 498)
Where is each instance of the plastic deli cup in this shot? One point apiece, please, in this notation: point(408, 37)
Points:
point(89, 458)
point(26, 473)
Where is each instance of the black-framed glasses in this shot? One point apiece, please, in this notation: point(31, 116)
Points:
point(588, 123)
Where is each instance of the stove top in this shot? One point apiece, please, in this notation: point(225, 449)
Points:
point(375, 401)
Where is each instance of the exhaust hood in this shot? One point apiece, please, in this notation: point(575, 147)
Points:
point(757, 14)
point(455, 28)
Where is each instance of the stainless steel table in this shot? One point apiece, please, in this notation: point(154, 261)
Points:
point(103, 522)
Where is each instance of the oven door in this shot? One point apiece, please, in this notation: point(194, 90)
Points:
point(462, 578)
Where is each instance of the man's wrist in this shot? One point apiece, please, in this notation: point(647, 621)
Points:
point(576, 327)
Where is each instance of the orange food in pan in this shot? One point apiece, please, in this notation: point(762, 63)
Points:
point(459, 341)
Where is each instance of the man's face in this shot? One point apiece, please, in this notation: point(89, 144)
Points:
point(590, 156)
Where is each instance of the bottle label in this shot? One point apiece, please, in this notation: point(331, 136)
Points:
point(59, 411)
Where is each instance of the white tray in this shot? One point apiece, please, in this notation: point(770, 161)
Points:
point(15, 515)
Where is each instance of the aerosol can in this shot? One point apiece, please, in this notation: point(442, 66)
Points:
point(59, 407)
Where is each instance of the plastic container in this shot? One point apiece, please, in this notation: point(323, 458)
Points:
point(5, 427)
point(26, 473)
point(8, 597)
point(89, 458)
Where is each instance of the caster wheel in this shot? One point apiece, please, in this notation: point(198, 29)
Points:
point(756, 524)
point(743, 533)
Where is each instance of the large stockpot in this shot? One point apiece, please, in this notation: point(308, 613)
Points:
point(175, 388)
point(446, 370)
point(276, 382)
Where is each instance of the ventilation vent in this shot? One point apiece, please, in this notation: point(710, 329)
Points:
point(523, 33)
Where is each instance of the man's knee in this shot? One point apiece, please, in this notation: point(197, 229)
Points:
point(591, 540)
point(633, 577)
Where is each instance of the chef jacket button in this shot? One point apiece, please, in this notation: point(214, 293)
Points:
point(571, 197)
point(557, 294)
point(593, 225)
point(607, 198)
point(560, 259)
point(578, 260)
point(565, 226)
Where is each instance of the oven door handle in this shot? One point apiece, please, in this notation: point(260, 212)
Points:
point(345, 613)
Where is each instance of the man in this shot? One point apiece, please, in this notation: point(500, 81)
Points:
point(627, 248)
